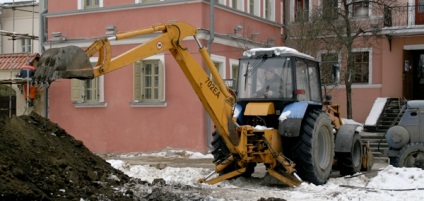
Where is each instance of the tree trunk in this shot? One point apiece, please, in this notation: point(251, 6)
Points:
point(348, 81)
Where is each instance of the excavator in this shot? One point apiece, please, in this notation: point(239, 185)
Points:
point(294, 133)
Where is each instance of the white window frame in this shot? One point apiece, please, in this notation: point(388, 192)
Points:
point(240, 5)
point(339, 60)
point(159, 103)
point(101, 100)
point(271, 9)
point(360, 16)
point(81, 4)
point(234, 63)
point(82, 102)
point(222, 66)
point(293, 11)
point(282, 11)
point(257, 6)
point(26, 44)
point(322, 10)
point(369, 50)
point(222, 2)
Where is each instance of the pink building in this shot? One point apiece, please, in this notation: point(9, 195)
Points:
point(127, 111)
point(388, 65)
point(149, 105)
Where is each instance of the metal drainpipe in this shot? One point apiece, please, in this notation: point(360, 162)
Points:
point(209, 44)
point(43, 5)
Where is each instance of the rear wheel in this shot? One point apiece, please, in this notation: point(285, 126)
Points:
point(350, 163)
point(220, 152)
point(314, 150)
point(412, 155)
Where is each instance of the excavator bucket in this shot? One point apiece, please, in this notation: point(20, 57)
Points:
point(66, 62)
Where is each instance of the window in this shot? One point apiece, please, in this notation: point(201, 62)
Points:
point(91, 3)
point(219, 62)
point(330, 9)
point(301, 10)
point(302, 81)
point(254, 7)
point(150, 1)
point(387, 16)
point(87, 4)
point(220, 2)
point(26, 45)
point(360, 8)
point(307, 79)
point(360, 67)
point(314, 81)
point(251, 7)
point(149, 81)
point(237, 4)
point(269, 10)
point(234, 4)
point(219, 66)
point(328, 62)
point(87, 92)
point(234, 72)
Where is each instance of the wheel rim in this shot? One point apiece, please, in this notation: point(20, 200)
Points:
point(415, 159)
point(324, 147)
point(356, 158)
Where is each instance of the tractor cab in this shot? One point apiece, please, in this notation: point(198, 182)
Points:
point(294, 76)
point(275, 80)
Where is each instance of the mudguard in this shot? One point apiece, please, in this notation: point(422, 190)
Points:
point(344, 137)
point(291, 119)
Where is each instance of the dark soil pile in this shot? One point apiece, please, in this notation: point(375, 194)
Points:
point(40, 161)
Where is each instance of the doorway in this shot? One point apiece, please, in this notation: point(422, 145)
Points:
point(7, 96)
point(413, 75)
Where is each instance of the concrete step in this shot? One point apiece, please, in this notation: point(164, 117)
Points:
point(378, 145)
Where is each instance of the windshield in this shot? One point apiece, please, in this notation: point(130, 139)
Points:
point(265, 78)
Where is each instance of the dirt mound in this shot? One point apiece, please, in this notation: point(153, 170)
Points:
point(40, 161)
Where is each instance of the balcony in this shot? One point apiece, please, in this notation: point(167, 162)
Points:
point(408, 19)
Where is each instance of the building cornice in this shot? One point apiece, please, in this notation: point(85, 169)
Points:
point(404, 31)
point(222, 39)
point(118, 8)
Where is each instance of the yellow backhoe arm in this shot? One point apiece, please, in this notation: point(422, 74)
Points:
point(213, 93)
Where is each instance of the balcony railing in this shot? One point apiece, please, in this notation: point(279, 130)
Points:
point(407, 16)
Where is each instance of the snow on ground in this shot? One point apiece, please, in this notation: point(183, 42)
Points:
point(389, 184)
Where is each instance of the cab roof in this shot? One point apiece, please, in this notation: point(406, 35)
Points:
point(277, 51)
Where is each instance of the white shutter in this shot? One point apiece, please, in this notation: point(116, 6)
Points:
point(76, 90)
point(137, 80)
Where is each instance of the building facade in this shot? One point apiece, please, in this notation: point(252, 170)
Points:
point(385, 55)
point(149, 105)
point(134, 109)
point(19, 45)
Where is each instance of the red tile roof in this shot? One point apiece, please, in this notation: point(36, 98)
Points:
point(16, 60)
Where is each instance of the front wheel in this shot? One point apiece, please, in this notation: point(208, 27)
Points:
point(314, 152)
point(412, 155)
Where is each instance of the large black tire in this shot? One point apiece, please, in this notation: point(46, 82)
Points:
point(220, 152)
point(351, 162)
point(412, 155)
point(313, 150)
